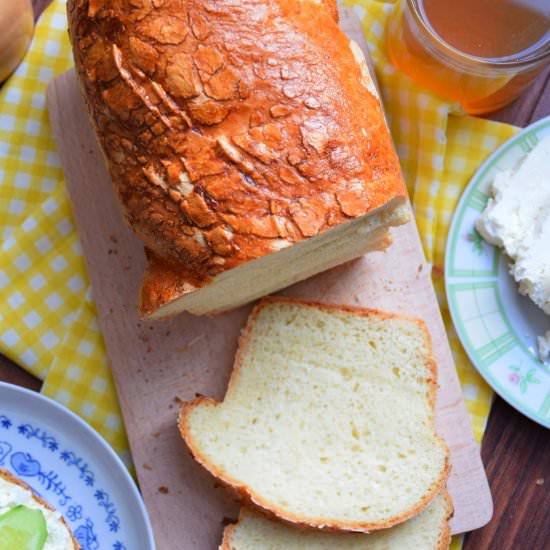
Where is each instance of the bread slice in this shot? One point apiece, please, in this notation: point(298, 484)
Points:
point(14, 491)
point(328, 417)
point(427, 531)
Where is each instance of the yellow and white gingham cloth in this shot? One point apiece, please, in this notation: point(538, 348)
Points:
point(48, 319)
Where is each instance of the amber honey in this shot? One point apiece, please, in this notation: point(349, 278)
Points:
point(481, 53)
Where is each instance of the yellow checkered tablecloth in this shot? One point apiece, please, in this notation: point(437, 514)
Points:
point(48, 321)
point(439, 153)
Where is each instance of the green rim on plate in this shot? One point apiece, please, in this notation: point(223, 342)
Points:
point(496, 325)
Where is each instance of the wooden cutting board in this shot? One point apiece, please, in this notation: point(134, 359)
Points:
point(158, 364)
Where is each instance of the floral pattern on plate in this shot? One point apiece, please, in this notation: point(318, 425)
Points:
point(68, 464)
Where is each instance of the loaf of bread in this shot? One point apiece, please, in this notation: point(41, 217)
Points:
point(427, 531)
point(16, 497)
point(328, 420)
point(244, 140)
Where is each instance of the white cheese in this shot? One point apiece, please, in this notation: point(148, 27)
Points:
point(544, 347)
point(517, 218)
point(12, 495)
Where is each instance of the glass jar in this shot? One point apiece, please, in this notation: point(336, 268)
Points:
point(479, 84)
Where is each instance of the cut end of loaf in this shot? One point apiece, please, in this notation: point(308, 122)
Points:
point(428, 531)
point(328, 418)
point(169, 289)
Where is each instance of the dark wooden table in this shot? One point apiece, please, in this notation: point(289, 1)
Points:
point(515, 450)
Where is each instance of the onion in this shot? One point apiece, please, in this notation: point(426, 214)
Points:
point(16, 28)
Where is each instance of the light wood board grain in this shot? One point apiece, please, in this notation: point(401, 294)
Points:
point(158, 364)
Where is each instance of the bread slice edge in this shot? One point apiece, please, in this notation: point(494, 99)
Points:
point(443, 541)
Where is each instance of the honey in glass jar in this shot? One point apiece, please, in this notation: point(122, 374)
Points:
point(481, 53)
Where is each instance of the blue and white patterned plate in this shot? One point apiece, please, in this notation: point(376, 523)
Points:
point(68, 464)
point(496, 325)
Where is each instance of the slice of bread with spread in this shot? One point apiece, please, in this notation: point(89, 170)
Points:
point(427, 531)
point(328, 420)
point(28, 521)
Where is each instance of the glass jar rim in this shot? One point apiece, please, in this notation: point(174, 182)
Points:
point(524, 58)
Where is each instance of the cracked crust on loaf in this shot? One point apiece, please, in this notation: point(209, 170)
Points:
point(231, 129)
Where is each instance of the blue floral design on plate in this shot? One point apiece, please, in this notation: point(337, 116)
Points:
point(31, 432)
point(85, 473)
point(80, 478)
point(25, 466)
point(5, 422)
point(86, 537)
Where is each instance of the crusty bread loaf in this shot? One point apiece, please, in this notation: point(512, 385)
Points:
point(233, 132)
point(23, 494)
point(328, 417)
point(427, 531)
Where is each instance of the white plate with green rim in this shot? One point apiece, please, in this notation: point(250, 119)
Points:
point(495, 323)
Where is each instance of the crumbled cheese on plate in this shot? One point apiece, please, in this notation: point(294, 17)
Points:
point(517, 218)
point(544, 347)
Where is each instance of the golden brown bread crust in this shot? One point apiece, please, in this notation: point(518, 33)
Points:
point(442, 544)
point(231, 129)
point(244, 492)
point(332, 7)
point(9, 477)
point(164, 281)
point(445, 539)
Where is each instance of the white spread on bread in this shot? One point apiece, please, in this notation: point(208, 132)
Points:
point(12, 495)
